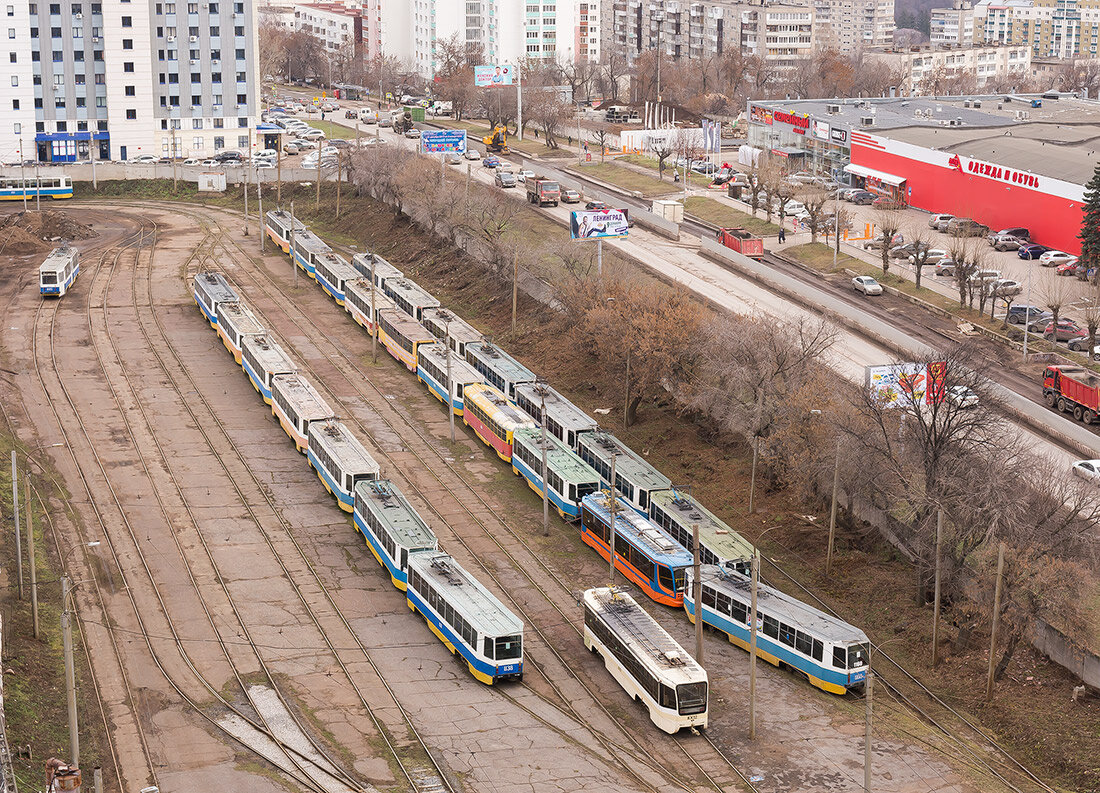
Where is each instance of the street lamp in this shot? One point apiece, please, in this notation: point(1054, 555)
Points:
point(753, 618)
point(658, 17)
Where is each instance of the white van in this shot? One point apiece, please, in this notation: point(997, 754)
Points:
point(368, 116)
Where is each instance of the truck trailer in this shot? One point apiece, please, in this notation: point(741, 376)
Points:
point(1072, 389)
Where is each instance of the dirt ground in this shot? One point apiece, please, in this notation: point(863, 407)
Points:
point(32, 232)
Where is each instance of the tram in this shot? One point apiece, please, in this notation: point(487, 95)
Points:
point(431, 370)
point(16, 188)
point(357, 302)
point(371, 265)
point(57, 274)
point(306, 249)
point(262, 358)
point(209, 290)
point(676, 512)
point(333, 272)
point(646, 661)
point(830, 653)
point(635, 479)
point(445, 324)
point(564, 420)
point(644, 553)
point(340, 460)
point(392, 528)
point(409, 296)
point(401, 335)
point(278, 224)
point(235, 321)
point(296, 404)
point(493, 418)
point(501, 370)
point(466, 617)
point(570, 478)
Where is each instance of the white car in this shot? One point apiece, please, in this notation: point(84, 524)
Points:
point(312, 134)
point(1088, 470)
point(867, 285)
point(145, 158)
point(192, 161)
point(944, 267)
point(1054, 258)
point(472, 154)
point(265, 165)
point(212, 163)
point(524, 175)
point(935, 256)
point(1005, 287)
point(962, 397)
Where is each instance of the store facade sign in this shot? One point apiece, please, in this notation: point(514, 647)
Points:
point(821, 130)
point(839, 135)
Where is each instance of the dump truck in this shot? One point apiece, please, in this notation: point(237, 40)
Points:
point(744, 242)
point(402, 123)
point(497, 140)
point(541, 190)
point(1072, 389)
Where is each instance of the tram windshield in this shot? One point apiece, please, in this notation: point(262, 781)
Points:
point(508, 647)
point(586, 489)
point(691, 697)
point(49, 278)
point(857, 656)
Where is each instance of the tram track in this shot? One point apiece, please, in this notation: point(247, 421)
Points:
point(419, 461)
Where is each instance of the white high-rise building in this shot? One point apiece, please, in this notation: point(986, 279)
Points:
point(114, 79)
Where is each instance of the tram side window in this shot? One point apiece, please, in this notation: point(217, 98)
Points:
point(818, 650)
point(771, 627)
point(840, 658)
point(668, 697)
point(664, 578)
point(488, 648)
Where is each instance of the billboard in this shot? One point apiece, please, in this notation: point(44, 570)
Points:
point(443, 140)
point(597, 223)
point(907, 384)
point(497, 74)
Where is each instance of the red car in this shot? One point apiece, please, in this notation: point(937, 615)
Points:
point(1066, 268)
point(1067, 329)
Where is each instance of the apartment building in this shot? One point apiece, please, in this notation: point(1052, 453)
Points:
point(780, 34)
point(851, 25)
point(921, 66)
point(1052, 28)
point(114, 79)
point(953, 25)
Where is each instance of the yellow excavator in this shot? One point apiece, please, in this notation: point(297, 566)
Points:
point(497, 140)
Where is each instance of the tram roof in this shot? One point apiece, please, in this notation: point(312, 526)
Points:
point(310, 242)
point(216, 287)
point(638, 629)
point(382, 268)
point(508, 367)
point(460, 329)
point(362, 287)
point(268, 352)
point(461, 372)
point(497, 405)
point(390, 506)
point(299, 392)
point(406, 325)
point(338, 265)
point(645, 532)
point(57, 259)
point(713, 531)
point(412, 291)
point(285, 219)
point(240, 317)
point(344, 447)
point(559, 457)
point(561, 409)
point(628, 463)
point(782, 606)
point(478, 605)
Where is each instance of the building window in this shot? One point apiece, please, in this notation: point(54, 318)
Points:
point(57, 56)
point(240, 54)
point(81, 101)
point(241, 77)
point(174, 101)
point(219, 123)
point(38, 102)
point(12, 57)
point(79, 79)
point(242, 99)
point(101, 126)
point(55, 33)
point(127, 44)
point(242, 122)
point(215, 55)
point(238, 30)
point(164, 101)
point(216, 77)
point(196, 78)
point(242, 141)
point(15, 81)
point(238, 8)
point(40, 126)
point(99, 79)
point(78, 56)
point(131, 114)
point(78, 33)
point(131, 91)
point(11, 33)
point(215, 30)
point(160, 8)
point(196, 123)
point(128, 66)
point(127, 22)
point(192, 8)
point(34, 33)
point(15, 104)
point(195, 100)
point(173, 78)
point(18, 129)
point(97, 55)
point(11, 11)
point(97, 8)
point(82, 126)
point(55, 8)
point(213, 8)
point(59, 101)
point(62, 126)
point(193, 30)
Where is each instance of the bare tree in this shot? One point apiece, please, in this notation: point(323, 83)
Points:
point(815, 199)
point(663, 148)
point(771, 175)
point(966, 257)
point(1056, 295)
point(493, 218)
point(1090, 313)
point(889, 223)
point(920, 236)
point(547, 109)
point(757, 175)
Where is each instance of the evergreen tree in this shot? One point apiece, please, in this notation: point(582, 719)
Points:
point(1090, 224)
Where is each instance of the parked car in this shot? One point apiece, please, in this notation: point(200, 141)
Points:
point(1079, 344)
point(1054, 258)
point(966, 227)
point(144, 158)
point(1040, 325)
point(1005, 242)
point(452, 158)
point(1005, 287)
point(986, 275)
point(877, 242)
point(907, 250)
point(472, 154)
point(885, 202)
point(931, 256)
point(212, 163)
point(339, 143)
point(1089, 470)
point(504, 179)
point(351, 114)
point(192, 161)
point(264, 165)
point(1067, 329)
point(867, 285)
point(862, 197)
point(935, 220)
point(1018, 315)
point(570, 196)
point(1019, 232)
point(311, 134)
point(944, 267)
point(1032, 251)
point(704, 167)
point(1066, 268)
point(962, 397)
point(291, 148)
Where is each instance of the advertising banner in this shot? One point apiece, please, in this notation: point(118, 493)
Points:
point(495, 74)
point(597, 224)
point(438, 141)
point(907, 385)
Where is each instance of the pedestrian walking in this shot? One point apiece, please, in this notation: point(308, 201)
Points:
point(782, 234)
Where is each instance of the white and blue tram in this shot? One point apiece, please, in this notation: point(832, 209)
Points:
point(646, 661)
point(296, 404)
point(371, 264)
point(501, 370)
point(635, 479)
point(431, 370)
point(409, 296)
point(340, 460)
point(209, 290)
point(445, 324)
point(676, 512)
point(570, 478)
point(564, 420)
point(392, 528)
point(58, 272)
point(14, 188)
point(235, 321)
point(831, 653)
point(279, 223)
point(644, 553)
point(466, 617)
point(306, 247)
point(333, 272)
point(262, 359)
point(358, 296)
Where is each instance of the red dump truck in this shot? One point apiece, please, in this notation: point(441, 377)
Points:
point(541, 190)
point(1072, 389)
point(742, 241)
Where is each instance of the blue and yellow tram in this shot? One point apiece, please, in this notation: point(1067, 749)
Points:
point(16, 188)
point(340, 460)
point(392, 528)
point(431, 370)
point(570, 479)
point(332, 272)
point(58, 272)
point(209, 290)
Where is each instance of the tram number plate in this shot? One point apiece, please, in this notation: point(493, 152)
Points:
point(503, 670)
point(857, 676)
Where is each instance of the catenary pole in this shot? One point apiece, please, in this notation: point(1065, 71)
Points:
point(545, 485)
point(697, 594)
point(373, 315)
point(70, 671)
point(936, 597)
point(450, 383)
point(996, 621)
point(293, 261)
point(832, 511)
point(30, 555)
point(868, 695)
point(752, 643)
point(15, 514)
point(611, 543)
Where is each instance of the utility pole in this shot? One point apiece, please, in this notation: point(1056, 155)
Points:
point(752, 643)
point(15, 508)
point(832, 511)
point(936, 597)
point(519, 102)
point(374, 312)
point(697, 595)
point(23, 175)
point(260, 198)
point(515, 288)
point(611, 536)
point(545, 484)
point(70, 671)
point(293, 260)
point(339, 175)
point(38, 185)
point(279, 174)
point(868, 695)
point(91, 157)
point(599, 258)
point(175, 176)
point(996, 621)
point(752, 478)
point(626, 399)
point(450, 385)
point(468, 167)
point(30, 555)
point(247, 177)
point(317, 200)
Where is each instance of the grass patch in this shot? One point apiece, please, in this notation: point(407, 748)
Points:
point(626, 179)
point(721, 215)
point(530, 145)
point(694, 179)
